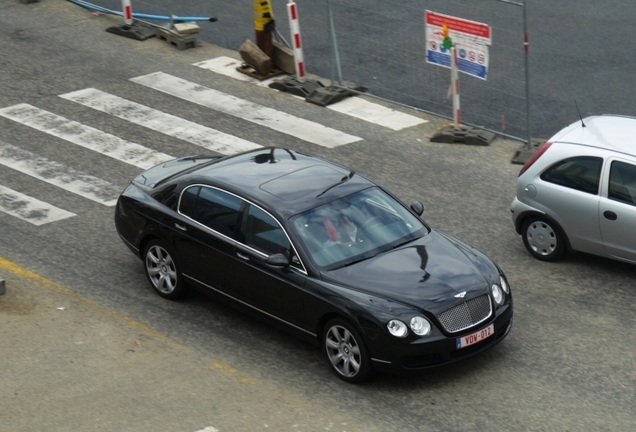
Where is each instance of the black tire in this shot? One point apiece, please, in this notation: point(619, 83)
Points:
point(346, 351)
point(543, 239)
point(163, 271)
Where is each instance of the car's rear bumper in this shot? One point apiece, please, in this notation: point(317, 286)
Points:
point(519, 210)
point(392, 355)
point(125, 232)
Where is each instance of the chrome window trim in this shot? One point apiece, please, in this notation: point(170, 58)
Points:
point(303, 268)
point(249, 305)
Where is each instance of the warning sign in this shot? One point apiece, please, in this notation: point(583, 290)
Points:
point(470, 38)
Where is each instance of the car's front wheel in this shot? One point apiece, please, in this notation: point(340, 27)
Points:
point(163, 271)
point(542, 239)
point(346, 352)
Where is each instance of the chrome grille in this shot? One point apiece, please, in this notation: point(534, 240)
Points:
point(466, 314)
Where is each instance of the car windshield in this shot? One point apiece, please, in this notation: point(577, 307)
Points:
point(355, 228)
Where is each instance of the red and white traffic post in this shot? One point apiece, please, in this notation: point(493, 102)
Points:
point(126, 9)
point(294, 26)
point(457, 112)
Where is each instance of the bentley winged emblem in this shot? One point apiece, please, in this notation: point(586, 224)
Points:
point(461, 294)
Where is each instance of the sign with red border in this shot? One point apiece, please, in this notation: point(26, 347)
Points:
point(470, 39)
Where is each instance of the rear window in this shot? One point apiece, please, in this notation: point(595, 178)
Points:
point(580, 173)
point(213, 208)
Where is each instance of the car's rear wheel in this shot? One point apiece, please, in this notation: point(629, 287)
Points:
point(542, 239)
point(346, 352)
point(163, 271)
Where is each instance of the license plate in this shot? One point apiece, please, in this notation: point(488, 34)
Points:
point(476, 337)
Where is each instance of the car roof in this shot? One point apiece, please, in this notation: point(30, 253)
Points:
point(286, 182)
point(610, 132)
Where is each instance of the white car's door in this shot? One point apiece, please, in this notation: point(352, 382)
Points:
point(617, 210)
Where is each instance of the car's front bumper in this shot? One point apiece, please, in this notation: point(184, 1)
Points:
point(391, 354)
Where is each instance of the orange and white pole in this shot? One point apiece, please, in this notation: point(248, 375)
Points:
point(297, 45)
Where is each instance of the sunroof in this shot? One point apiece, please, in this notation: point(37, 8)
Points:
point(302, 182)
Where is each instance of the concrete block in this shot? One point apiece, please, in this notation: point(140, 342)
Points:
point(255, 57)
point(29, 1)
point(284, 58)
point(463, 135)
point(187, 28)
point(180, 41)
point(522, 156)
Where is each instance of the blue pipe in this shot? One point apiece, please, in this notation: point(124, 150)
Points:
point(140, 15)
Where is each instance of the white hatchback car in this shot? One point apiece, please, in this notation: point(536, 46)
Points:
point(578, 192)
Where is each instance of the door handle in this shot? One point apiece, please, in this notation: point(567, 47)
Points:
point(243, 257)
point(181, 227)
point(610, 215)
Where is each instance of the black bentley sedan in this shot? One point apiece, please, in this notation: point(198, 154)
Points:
point(321, 250)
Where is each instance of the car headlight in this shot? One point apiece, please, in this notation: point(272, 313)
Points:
point(397, 328)
point(497, 294)
point(504, 285)
point(420, 326)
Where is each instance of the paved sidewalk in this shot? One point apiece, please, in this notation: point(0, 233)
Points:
point(70, 364)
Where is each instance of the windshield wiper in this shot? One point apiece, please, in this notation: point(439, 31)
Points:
point(403, 243)
point(348, 263)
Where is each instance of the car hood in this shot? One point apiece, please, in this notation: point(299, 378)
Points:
point(430, 273)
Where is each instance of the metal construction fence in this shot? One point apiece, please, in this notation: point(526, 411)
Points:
point(381, 45)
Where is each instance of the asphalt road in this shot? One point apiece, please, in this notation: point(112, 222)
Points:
point(568, 363)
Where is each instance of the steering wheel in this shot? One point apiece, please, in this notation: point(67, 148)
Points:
point(371, 223)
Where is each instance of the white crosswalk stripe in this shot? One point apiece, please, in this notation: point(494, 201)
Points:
point(224, 65)
point(159, 121)
point(54, 173)
point(279, 121)
point(30, 209)
point(85, 136)
point(352, 106)
point(37, 212)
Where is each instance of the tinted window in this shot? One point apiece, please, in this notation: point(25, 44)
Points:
point(217, 210)
point(580, 173)
point(186, 206)
point(623, 183)
point(264, 233)
point(356, 227)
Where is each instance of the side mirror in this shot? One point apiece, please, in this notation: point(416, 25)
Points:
point(417, 207)
point(277, 260)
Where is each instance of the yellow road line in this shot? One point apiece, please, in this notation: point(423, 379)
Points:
point(45, 283)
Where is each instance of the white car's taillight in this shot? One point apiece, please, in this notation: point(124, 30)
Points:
point(534, 157)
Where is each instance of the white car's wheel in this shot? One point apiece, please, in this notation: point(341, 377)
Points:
point(542, 239)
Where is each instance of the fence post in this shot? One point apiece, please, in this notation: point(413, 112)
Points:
point(526, 44)
point(335, 61)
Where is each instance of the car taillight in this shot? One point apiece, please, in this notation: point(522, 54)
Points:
point(534, 157)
